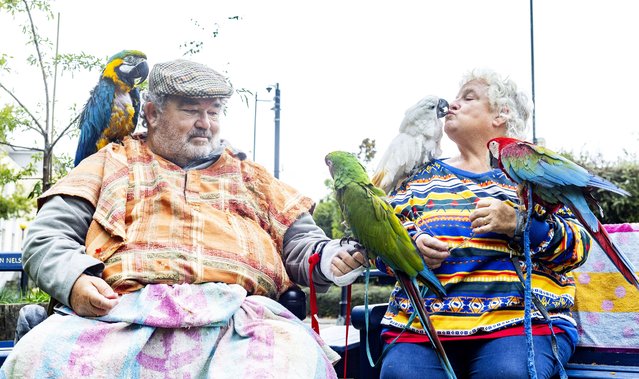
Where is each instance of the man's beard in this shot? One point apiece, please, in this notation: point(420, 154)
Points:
point(180, 149)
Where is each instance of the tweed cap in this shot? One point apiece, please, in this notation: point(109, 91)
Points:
point(189, 79)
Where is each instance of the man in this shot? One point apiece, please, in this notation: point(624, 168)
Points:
point(172, 246)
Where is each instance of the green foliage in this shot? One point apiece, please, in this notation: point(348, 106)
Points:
point(624, 173)
point(77, 62)
point(13, 296)
point(327, 214)
point(367, 151)
point(11, 118)
point(205, 34)
point(19, 117)
point(4, 59)
point(14, 6)
point(18, 203)
point(328, 304)
point(15, 205)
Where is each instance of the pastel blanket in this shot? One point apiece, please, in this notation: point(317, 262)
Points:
point(209, 330)
point(606, 306)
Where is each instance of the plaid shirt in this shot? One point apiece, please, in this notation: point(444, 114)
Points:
point(157, 223)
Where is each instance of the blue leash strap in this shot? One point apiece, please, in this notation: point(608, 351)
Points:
point(366, 323)
point(530, 298)
point(544, 312)
point(532, 371)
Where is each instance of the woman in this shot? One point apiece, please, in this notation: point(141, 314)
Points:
point(465, 220)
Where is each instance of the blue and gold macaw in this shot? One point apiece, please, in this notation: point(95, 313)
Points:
point(111, 113)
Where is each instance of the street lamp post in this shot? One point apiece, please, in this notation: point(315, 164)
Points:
point(276, 108)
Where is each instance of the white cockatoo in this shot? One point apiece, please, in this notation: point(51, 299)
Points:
point(418, 141)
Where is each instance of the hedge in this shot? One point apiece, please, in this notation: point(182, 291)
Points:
point(328, 303)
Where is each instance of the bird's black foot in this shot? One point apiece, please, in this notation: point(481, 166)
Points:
point(347, 240)
point(358, 247)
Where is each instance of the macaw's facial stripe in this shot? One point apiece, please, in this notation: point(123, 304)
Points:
point(109, 72)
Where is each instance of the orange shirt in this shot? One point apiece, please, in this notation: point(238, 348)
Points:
point(157, 223)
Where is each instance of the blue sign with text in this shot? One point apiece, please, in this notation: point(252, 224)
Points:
point(11, 261)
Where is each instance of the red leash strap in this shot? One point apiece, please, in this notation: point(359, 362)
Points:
point(313, 260)
point(347, 322)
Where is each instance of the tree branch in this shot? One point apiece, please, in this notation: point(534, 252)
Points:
point(33, 128)
point(36, 44)
point(35, 120)
point(20, 147)
point(66, 129)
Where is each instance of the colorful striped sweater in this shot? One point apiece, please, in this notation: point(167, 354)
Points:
point(484, 294)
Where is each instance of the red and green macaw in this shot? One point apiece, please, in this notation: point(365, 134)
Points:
point(557, 181)
point(375, 226)
point(111, 113)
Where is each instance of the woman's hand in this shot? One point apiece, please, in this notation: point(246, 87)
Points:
point(433, 250)
point(493, 215)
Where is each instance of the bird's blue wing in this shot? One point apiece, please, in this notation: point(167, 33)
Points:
point(559, 169)
point(94, 119)
point(538, 165)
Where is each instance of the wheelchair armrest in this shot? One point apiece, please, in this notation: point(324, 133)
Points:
point(375, 315)
point(294, 299)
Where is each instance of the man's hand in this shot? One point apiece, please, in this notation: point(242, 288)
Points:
point(433, 250)
point(342, 263)
point(92, 296)
point(493, 215)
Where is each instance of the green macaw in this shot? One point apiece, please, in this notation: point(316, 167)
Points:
point(375, 226)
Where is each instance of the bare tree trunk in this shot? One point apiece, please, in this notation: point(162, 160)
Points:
point(47, 168)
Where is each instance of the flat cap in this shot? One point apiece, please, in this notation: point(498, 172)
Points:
point(189, 79)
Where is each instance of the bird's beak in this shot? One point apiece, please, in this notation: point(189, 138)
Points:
point(134, 75)
point(442, 108)
point(140, 72)
point(492, 160)
point(329, 164)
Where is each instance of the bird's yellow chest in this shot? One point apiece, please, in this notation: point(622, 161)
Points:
point(121, 123)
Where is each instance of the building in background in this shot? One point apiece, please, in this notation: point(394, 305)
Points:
point(12, 231)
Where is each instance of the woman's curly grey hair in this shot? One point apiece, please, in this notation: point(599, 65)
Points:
point(503, 95)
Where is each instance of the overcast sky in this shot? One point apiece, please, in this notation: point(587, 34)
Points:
point(349, 69)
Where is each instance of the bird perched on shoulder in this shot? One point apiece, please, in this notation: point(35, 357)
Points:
point(111, 113)
point(557, 181)
point(418, 141)
point(375, 226)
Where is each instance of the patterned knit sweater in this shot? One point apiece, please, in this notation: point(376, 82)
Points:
point(484, 293)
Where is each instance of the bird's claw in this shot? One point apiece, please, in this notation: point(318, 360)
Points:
point(348, 240)
point(357, 247)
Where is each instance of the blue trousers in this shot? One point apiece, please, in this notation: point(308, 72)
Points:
point(503, 358)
